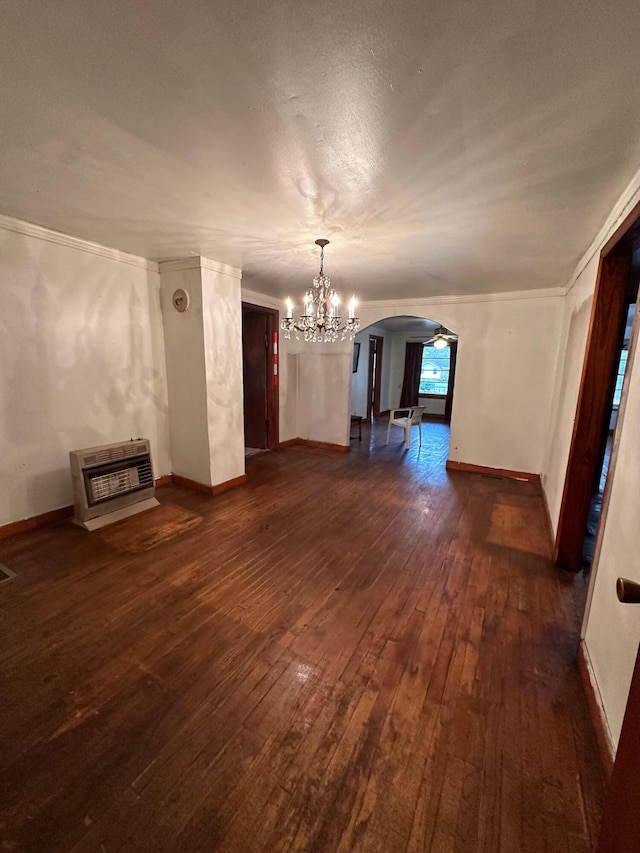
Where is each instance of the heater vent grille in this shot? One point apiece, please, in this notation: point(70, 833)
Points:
point(108, 485)
point(110, 478)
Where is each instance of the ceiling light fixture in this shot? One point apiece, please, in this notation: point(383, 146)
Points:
point(321, 321)
point(442, 337)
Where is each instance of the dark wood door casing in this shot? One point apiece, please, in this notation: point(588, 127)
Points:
point(603, 341)
point(255, 357)
point(260, 376)
point(453, 357)
point(376, 343)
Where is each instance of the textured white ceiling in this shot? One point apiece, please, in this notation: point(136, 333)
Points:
point(458, 147)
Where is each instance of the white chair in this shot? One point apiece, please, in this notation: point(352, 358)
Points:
point(410, 416)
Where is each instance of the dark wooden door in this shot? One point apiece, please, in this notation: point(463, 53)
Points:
point(255, 371)
point(620, 831)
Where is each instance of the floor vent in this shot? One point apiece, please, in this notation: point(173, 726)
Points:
point(6, 574)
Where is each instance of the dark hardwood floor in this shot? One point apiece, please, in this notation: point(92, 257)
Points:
point(350, 652)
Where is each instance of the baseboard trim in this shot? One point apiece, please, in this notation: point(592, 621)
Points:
point(596, 709)
point(228, 484)
point(319, 445)
point(26, 524)
point(218, 489)
point(194, 485)
point(452, 465)
point(323, 445)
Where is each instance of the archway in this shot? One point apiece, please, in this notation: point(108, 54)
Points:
point(402, 360)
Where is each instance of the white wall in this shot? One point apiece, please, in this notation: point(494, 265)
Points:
point(611, 631)
point(576, 314)
point(360, 379)
point(323, 394)
point(222, 311)
point(506, 362)
point(81, 362)
point(396, 367)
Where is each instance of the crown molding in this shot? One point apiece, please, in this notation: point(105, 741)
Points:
point(39, 232)
point(507, 296)
point(196, 262)
point(261, 299)
point(623, 206)
point(225, 269)
point(180, 264)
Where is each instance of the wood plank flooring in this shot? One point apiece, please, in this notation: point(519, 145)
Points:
point(350, 652)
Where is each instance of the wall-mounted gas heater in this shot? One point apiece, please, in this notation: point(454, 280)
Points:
point(112, 482)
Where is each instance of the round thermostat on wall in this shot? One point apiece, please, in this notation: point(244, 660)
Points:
point(180, 300)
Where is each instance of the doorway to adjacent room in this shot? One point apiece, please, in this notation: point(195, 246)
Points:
point(402, 363)
point(376, 343)
point(260, 378)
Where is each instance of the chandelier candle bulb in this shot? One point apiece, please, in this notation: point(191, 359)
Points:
point(321, 321)
point(334, 304)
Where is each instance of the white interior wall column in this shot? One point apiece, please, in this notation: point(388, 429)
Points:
point(203, 347)
point(222, 314)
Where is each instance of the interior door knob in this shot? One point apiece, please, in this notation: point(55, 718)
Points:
point(628, 591)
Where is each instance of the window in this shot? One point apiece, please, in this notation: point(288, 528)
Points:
point(622, 364)
point(434, 374)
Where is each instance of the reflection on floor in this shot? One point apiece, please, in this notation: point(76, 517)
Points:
point(432, 455)
point(595, 509)
point(351, 651)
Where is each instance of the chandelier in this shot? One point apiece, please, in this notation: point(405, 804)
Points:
point(321, 320)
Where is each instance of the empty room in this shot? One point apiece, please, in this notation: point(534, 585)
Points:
point(319, 418)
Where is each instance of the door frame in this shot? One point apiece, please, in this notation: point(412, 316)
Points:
point(453, 358)
point(373, 406)
point(273, 369)
point(603, 341)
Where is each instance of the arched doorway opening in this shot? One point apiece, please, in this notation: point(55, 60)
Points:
point(401, 361)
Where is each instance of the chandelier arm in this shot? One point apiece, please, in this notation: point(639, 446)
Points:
point(321, 320)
